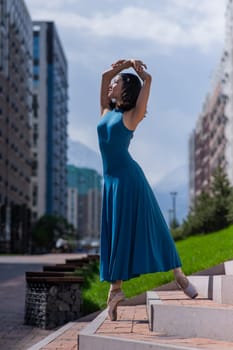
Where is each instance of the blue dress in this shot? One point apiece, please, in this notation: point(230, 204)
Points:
point(135, 238)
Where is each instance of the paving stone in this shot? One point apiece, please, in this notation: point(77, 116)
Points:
point(14, 335)
point(138, 329)
point(131, 325)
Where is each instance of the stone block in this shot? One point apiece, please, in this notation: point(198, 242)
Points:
point(151, 299)
point(191, 322)
point(223, 289)
point(228, 265)
point(203, 285)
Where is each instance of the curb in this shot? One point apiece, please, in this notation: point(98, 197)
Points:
point(52, 337)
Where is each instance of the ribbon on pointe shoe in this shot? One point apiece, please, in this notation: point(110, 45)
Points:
point(188, 288)
point(113, 300)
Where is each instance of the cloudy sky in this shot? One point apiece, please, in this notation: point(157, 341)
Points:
point(181, 41)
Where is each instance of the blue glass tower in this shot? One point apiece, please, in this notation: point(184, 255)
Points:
point(50, 100)
point(84, 201)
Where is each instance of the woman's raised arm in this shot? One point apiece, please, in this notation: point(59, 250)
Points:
point(141, 105)
point(107, 76)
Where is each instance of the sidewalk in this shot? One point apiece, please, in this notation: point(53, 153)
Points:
point(14, 335)
point(66, 338)
point(132, 325)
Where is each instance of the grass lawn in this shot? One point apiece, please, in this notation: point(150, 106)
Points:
point(197, 253)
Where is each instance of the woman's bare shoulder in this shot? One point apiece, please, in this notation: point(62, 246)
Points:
point(105, 111)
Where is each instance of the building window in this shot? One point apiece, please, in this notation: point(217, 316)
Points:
point(34, 195)
point(35, 81)
point(35, 105)
point(35, 134)
point(36, 70)
point(34, 167)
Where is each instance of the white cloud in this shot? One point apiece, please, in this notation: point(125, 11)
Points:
point(84, 134)
point(160, 145)
point(93, 34)
point(50, 5)
point(180, 23)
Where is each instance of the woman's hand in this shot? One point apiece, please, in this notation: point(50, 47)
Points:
point(138, 65)
point(124, 64)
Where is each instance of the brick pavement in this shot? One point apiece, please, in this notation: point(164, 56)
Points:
point(14, 335)
point(132, 320)
point(132, 324)
point(67, 340)
point(177, 297)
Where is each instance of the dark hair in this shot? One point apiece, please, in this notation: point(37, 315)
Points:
point(130, 90)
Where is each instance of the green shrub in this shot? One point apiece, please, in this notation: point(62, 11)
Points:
point(212, 210)
point(178, 233)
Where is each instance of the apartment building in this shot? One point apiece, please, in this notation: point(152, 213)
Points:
point(207, 145)
point(211, 143)
point(49, 123)
point(15, 124)
point(84, 202)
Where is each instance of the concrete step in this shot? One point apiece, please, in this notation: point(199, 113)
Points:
point(228, 265)
point(225, 268)
point(223, 289)
point(218, 288)
point(173, 314)
point(131, 332)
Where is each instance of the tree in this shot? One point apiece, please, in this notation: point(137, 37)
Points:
point(200, 219)
point(211, 209)
point(174, 223)
point(221, 191)
point(48, 229)
point(230, 208)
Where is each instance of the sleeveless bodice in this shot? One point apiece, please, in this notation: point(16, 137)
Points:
point(114, 140)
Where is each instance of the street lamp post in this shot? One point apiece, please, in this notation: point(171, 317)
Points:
point(173, 194)
point(170, 214)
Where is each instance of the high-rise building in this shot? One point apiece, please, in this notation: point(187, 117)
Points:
point(207, 144)
point(49, 142)
point(84, 201)
point(227, 88)
point(15, 124)
point(211, 143)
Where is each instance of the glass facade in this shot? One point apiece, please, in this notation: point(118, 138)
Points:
point(15, 125)
point(84, 201)
point(84, 179)
point(36, 58)
point(50, 100)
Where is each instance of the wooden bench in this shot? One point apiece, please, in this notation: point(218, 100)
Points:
point(85, 260)
point(48, 273)
point(61, 268)
point(78, 262)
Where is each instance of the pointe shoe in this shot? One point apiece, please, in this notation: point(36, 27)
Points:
point(113, 300)
point(188, 288)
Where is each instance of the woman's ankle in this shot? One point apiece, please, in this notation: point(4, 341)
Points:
point(178, 273)
point(115, 286)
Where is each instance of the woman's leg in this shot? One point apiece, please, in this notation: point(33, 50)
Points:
point(113, 289)
point(188, 288)
point(115, 295)
point(178, 272)
point(115, 285)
